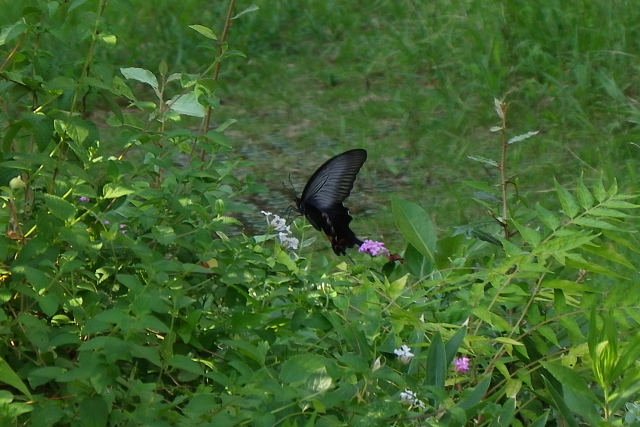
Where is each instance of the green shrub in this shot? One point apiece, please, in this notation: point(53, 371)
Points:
point(131, 296)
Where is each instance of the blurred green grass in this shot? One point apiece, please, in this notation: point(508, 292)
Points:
point(412, 82)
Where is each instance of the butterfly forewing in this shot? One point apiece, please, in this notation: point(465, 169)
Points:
point(333, 181)
point(321, 200)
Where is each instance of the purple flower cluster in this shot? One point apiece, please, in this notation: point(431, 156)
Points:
point(373, 248)
point(462, 364)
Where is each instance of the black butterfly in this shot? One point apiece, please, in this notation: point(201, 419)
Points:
point(322, 197)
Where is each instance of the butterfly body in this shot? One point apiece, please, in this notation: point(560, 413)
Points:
point(322, 199)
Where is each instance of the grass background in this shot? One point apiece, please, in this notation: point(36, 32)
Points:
point(412, 82)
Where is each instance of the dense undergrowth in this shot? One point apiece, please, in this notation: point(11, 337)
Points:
point(130, 295)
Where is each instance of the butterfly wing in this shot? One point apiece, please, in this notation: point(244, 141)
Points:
point(333, 181)
point(322, 197)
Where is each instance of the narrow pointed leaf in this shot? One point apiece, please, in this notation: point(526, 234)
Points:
point(568, 202)
point(584, 195)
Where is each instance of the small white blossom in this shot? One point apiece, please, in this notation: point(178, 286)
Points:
point(279, 224)
point(288, 242)
point(404, 354)
point(411, 398)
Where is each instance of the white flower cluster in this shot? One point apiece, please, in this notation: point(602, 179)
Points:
point(280, 225)
point(411, 398)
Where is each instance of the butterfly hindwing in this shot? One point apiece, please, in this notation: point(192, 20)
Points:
point(322, 197)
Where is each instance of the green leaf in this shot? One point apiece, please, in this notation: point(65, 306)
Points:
point(113, 191)
point(94, 412)
point(571, 380)
point(208, 33)
point(59, 207)
point(299, 368)
point(561, 405)
point(522, 137)
point(39, 376)
point(530, 235)
point(186, 364)
point(415, 225)
point(607, 213)
point(505, 415)
point(187, 104)
point(578, 262)
point(8, 376)
point(437, 363)
point(249, 9)
point(584, 195)
point(547, 217)
point(469, 403)
point(609, 253)
point(618, 204)
point(141, 75)
point(568, 202)
point(454, 343)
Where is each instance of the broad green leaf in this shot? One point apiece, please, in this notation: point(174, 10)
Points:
point(299, 368)
point(94, 412)
point(48, 303)
point(491, 318)
point(505, 415)
point(418, 264)
point(186, 364)
point(541, 421)
point(415, 225)
point(39, 376)
point(36, 278)
point(570, 379)
point(530, 235)
point(580, 405)
point(547, 217)
point(568, 202)
point(207, 32)
point(148, 353)
point(113, 191)
point(59, 207)
point(141, 75)
point(257, 352)
point(12, 31)
point(187, 104)
point(8, 376)
point(200, 404)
